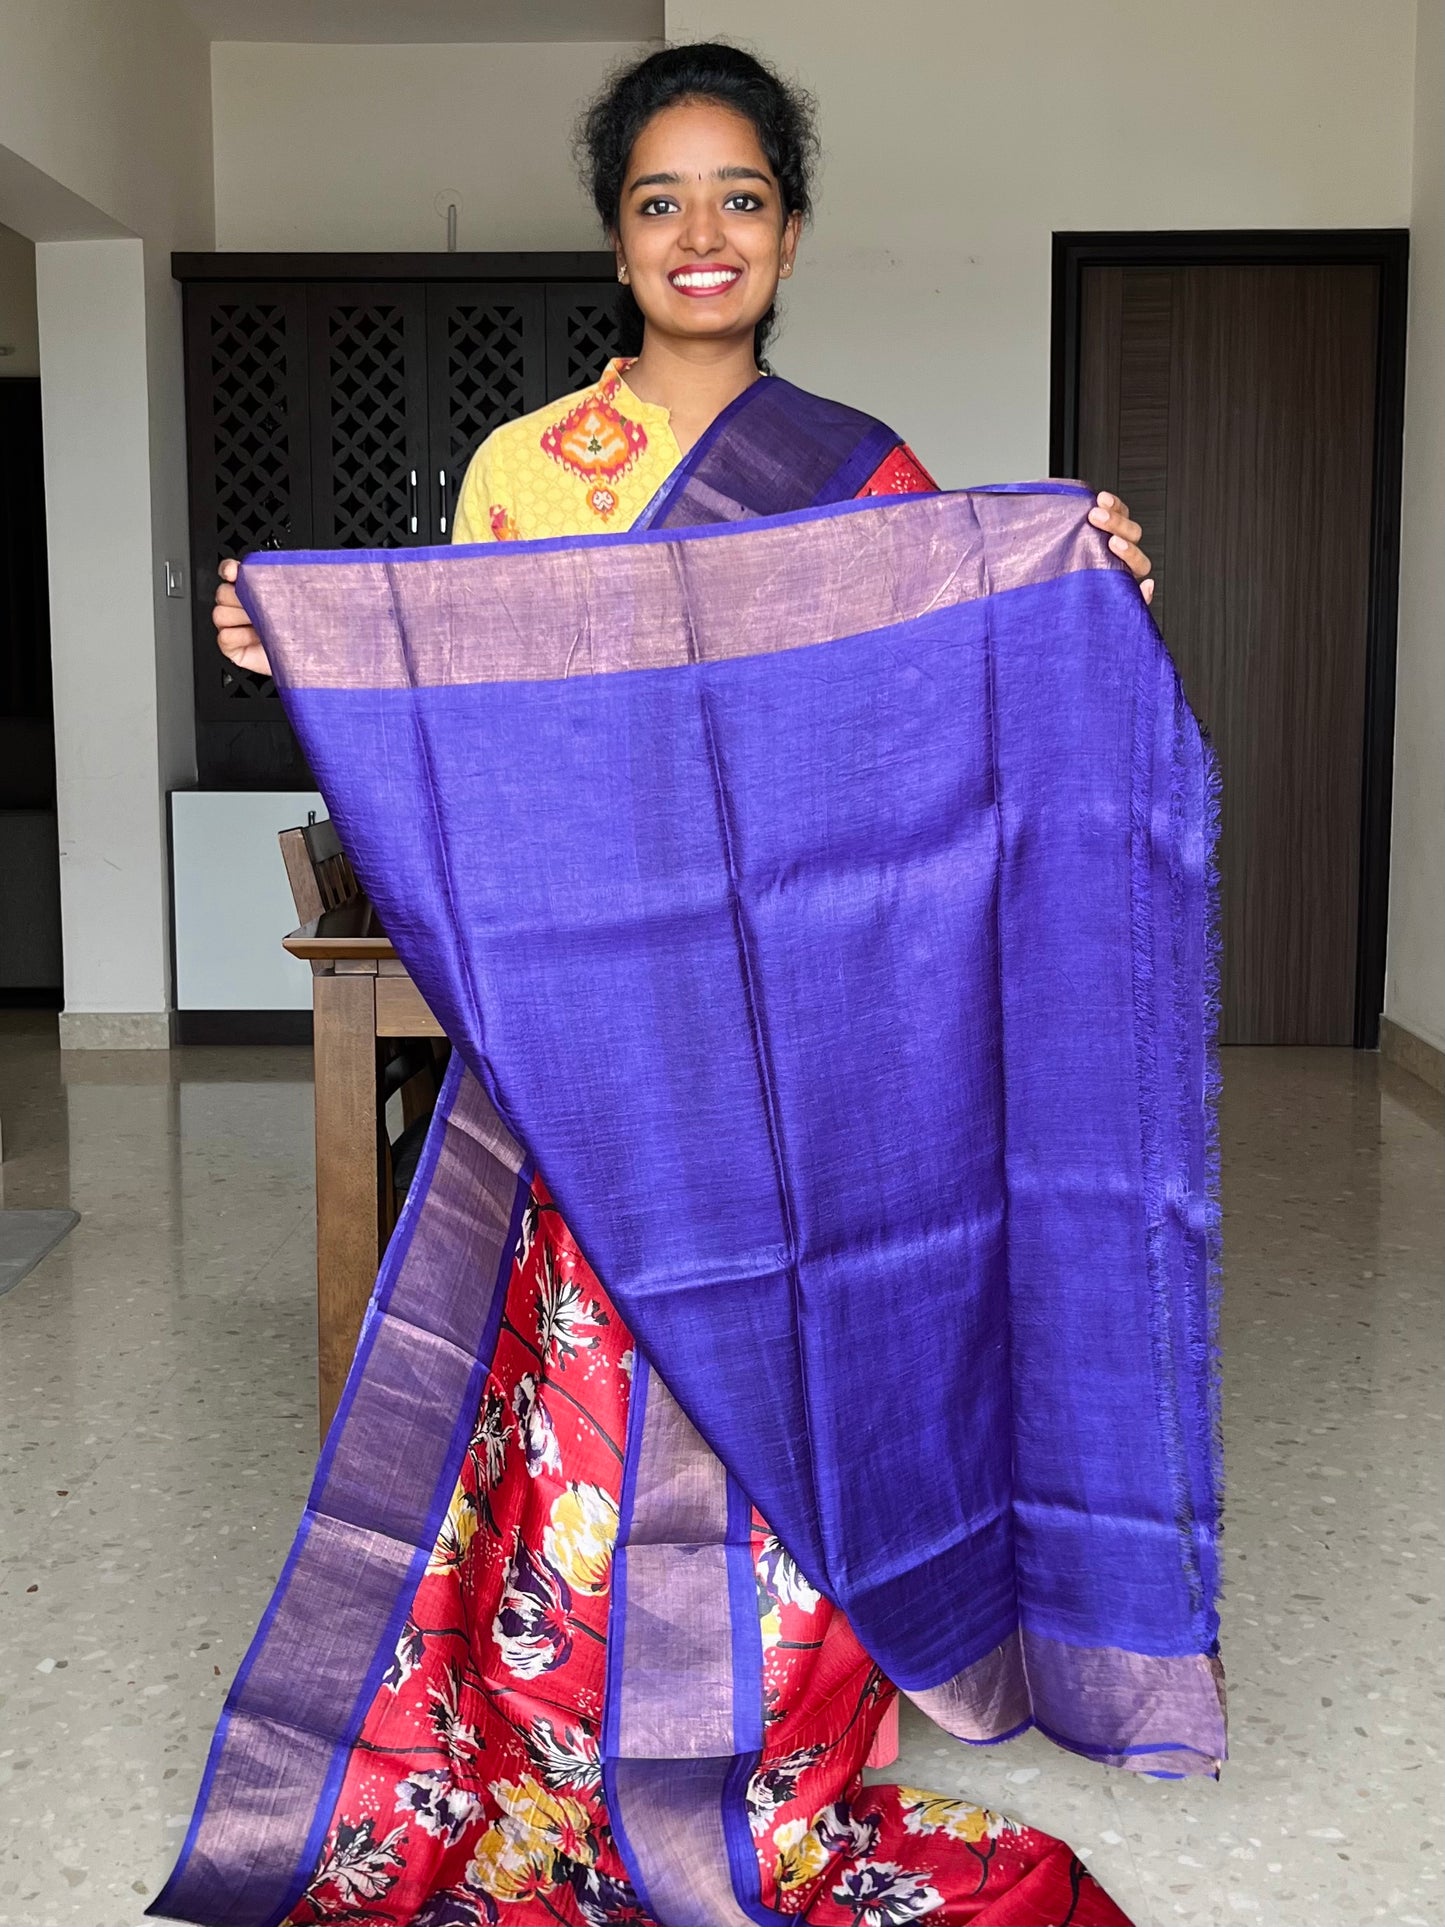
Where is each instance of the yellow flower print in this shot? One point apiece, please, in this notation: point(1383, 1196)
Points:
point(772, 1625)
point(517, 1855)
point(801, 1854)
point(930, 1813)
point(510, 1868)
point(458, 1530)
point(578, 1543)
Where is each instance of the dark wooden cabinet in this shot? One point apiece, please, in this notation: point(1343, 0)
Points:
point(367, 403)
point(335, 402)
point(487, 361)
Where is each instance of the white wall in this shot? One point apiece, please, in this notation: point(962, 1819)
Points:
point(1415, 976)
point(959, 134)
point(335, 147)
point(105, 132)
point(112, 101)
point(93, 299)
point(17, 306)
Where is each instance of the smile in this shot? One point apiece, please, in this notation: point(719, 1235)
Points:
point(699, 281)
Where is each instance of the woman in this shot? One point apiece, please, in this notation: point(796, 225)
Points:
point(472, 1788)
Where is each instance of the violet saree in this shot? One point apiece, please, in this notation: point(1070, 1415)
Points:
point(821, 900)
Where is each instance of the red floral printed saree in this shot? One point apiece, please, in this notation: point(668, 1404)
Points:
point(474, 1792)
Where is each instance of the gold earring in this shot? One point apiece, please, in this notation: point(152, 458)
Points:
point(786, 269)
point(622, 273)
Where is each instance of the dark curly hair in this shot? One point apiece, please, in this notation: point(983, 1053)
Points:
point(782, 117)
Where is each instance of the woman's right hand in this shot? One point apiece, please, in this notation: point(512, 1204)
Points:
point(239, 642)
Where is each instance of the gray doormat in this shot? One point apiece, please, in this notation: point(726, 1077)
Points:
point(25, 1237)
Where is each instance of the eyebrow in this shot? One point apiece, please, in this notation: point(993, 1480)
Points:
point(719, 174)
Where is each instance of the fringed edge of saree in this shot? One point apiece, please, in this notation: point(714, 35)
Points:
point(381, 1491)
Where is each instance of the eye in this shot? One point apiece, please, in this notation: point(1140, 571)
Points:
point(743, 203)
point(659, 204)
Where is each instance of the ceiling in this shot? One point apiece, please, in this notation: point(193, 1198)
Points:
point(392, 22)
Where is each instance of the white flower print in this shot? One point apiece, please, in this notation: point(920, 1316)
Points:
point(535, 1428)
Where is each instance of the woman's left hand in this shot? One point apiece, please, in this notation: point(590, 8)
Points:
point(1111, 514)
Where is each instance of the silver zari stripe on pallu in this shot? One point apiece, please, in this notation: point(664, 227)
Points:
point(530, 613)
point(386, 1473)
point(678, 1732)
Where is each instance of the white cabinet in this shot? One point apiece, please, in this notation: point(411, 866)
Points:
point(231, 902)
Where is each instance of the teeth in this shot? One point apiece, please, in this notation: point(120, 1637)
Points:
point(704, 278)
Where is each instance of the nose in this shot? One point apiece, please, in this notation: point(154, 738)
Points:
point(702, 230)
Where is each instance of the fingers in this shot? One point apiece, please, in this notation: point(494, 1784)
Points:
point(1130, 553)
point(1112, 516)
point(238, 641)
point(245, 650)
point(229, 615)
point(229, 569)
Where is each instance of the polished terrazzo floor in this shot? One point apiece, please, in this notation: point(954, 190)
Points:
point(156, 1417)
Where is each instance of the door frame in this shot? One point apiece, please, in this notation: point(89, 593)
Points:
point(1387, 249)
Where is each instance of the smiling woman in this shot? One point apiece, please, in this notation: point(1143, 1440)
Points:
point(609, 1689)
point(704, 229)
point(738, 129)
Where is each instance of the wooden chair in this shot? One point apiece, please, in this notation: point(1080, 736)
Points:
point(319, 869)
point(409, 1069)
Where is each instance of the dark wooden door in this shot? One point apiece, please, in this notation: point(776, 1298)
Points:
point(369, 433)
point(486, 364)
point(1234, 408)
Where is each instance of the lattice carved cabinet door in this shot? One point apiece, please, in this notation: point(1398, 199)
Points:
point(249, 457)
point(368, 414)
point(486, 364)
point(581, 333)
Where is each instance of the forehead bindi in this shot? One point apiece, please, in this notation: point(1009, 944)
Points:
point(696, 141)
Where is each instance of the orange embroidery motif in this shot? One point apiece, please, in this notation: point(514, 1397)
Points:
point(602, 501)
point(503, 529)
point(594, 440)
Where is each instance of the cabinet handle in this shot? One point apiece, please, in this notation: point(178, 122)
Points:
point(442, 501)
point(412, 491)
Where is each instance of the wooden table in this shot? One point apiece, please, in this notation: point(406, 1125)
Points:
point(361, 992)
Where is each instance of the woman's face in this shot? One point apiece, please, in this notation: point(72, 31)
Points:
point(702, 235)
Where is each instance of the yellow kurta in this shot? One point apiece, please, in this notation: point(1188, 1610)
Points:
point(582, 465)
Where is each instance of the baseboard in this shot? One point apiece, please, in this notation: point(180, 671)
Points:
point(243, 1027)
point(1412, 1053)
point(115, 1029)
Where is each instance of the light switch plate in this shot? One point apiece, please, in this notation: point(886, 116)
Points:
point(175, 579)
